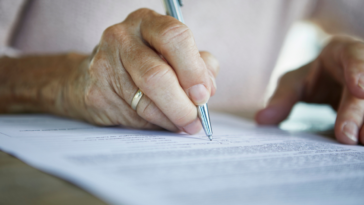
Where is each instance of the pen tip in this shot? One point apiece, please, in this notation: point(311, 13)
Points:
point(210, 137)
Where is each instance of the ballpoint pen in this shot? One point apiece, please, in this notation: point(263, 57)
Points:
point(173, 9)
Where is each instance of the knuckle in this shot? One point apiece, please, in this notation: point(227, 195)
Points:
point(109, 33)
point(137, 14)
point(152, 76)
point(113, 34)
point(175, 32)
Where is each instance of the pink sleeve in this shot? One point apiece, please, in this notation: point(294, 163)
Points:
point(10, 12)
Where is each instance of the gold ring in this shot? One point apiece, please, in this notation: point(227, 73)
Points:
point(138, 95)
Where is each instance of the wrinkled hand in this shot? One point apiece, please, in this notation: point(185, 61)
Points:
point(158, 55)
point(336, 77)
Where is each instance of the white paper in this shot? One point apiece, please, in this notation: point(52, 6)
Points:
point(244, 164)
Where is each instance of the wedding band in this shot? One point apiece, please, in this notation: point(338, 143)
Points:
point(138, 95)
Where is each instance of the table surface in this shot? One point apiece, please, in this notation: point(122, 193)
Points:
point(23, 184)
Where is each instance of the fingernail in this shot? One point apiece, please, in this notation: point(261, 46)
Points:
point(350, 129)
point(199, 94)
point(193, 127)
point(213, 81)
point(361, 82)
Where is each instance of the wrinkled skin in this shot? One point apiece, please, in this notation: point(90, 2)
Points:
point(129, 57)
point(149, 51)
point(335, 77)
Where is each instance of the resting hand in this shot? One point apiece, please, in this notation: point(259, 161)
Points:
point(336, 78)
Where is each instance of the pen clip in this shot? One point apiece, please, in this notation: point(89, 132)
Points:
point(180, 2)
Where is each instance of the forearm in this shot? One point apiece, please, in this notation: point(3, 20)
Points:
point(36, 83)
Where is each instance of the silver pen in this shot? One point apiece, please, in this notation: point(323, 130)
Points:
point(173, 8)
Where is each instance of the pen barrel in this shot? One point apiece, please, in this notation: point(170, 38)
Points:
point(203, 113)
point(173, 9)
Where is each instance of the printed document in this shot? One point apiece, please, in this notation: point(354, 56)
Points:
point(244, 164)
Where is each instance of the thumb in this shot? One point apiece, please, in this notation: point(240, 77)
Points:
point(287, 93)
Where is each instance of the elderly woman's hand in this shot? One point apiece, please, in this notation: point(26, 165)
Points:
point(148, 51)
point(336, 77)
point(156, 54)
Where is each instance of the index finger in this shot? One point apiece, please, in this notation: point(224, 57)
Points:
point(175, 42)
point(353, 63)
point(343, 57)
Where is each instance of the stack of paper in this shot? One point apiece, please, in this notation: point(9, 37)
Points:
point(242, 165)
